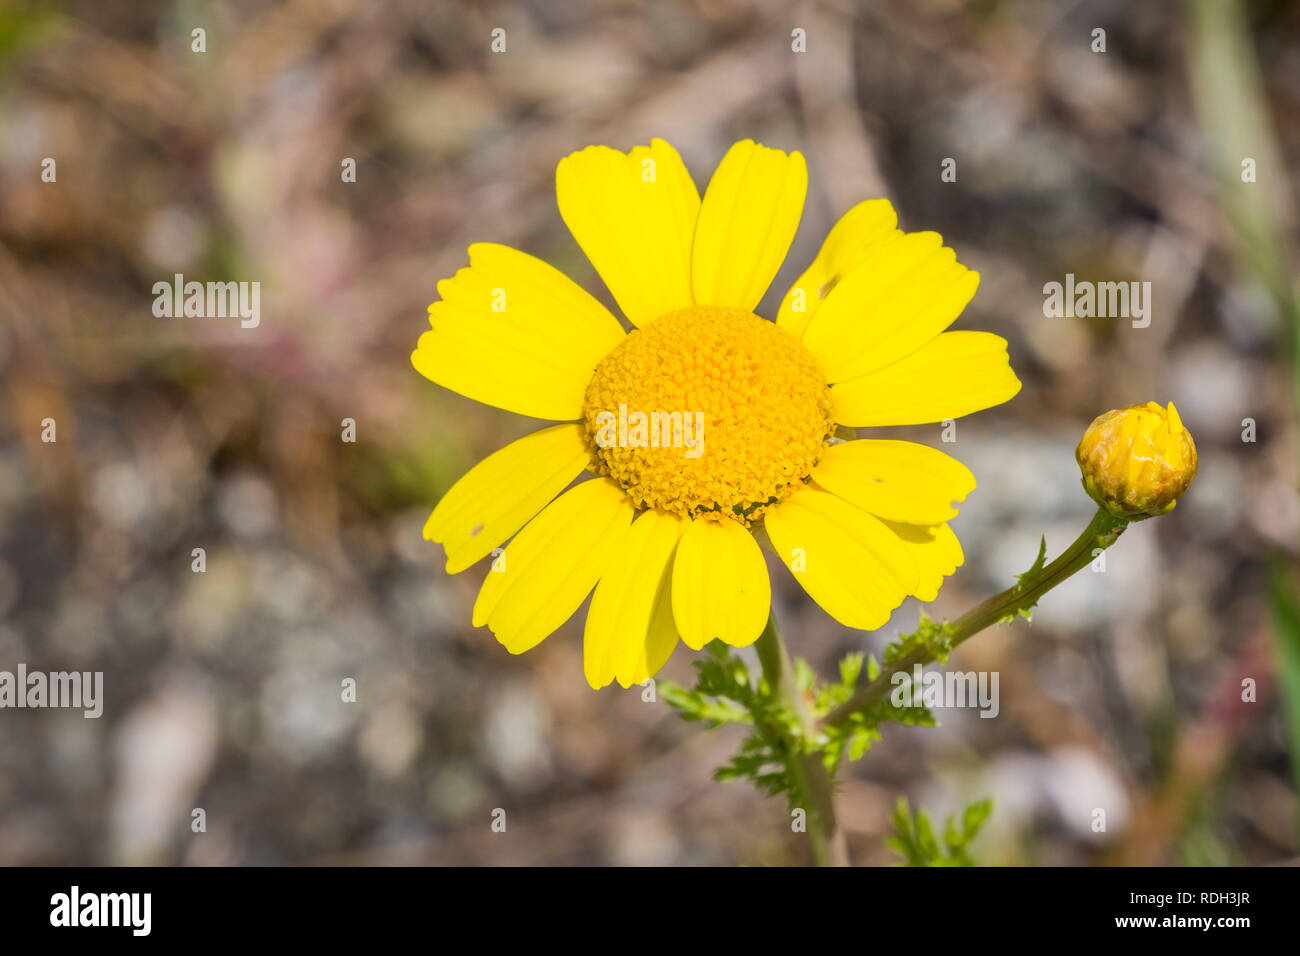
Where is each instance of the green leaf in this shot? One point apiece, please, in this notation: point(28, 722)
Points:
point(1021, 579)
point(976, 815)
point(930, 638)
point(725, 693)
point(1040, 562)
point(1286, 635)
point(850, 670)
point(914, 837)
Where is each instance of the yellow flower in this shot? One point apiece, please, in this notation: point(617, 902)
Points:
point(1137, 461)
point(664, 534)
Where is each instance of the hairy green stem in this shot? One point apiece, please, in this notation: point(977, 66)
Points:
point(1101, 533)
point(813, 783)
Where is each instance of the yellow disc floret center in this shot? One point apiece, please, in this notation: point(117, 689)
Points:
point(708, 411)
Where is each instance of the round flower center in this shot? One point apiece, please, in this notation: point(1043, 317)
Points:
point(708, 411)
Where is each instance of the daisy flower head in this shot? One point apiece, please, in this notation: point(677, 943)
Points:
point(705, 422)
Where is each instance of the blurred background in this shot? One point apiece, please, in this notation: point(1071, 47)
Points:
point(222, 688)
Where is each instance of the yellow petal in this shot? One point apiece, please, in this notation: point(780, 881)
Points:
point(908, 291)
point(848, 561)
point(629, 635)
point(750, 213)
point(514, 332)
point(851, 242)
point(954, 375)
point(495, 497)
point(660, 641)
point(720, 585)
point(634, 216)
point(542, 576)
point(895, 480)
point(937, 553)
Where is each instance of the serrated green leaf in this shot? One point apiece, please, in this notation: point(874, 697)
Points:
point(1039, 562)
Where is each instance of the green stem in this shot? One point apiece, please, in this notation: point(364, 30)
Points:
point(814, 786)
point(1102, 532)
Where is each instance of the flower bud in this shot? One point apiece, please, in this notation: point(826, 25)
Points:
point(1137, 461)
